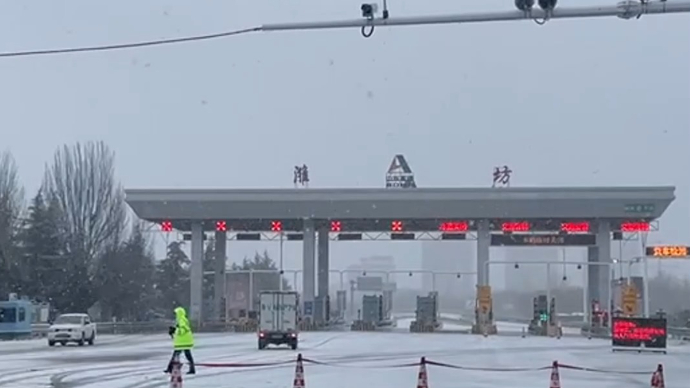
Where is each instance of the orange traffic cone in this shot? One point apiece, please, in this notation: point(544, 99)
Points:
point(422, 377)
point(299, 373)
point(555, 378)
point(658, 377)
point(176, 374)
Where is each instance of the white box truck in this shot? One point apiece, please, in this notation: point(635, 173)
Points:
point(278, 318)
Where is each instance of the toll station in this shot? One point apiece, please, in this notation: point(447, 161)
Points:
point(541, 216)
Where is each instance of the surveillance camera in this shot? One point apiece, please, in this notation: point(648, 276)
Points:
point(547, 4)
point(524, 5)
point(517, 266)
point(369, 10)
point(579, 266)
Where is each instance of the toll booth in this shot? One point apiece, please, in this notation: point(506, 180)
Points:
point(544, 318)
point(598, 322)
point(371, 314)
point(427, 315)
point(483, 312)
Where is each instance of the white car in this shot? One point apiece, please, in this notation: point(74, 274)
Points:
point(76, 328)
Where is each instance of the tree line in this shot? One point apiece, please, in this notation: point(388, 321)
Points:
point(74, 245)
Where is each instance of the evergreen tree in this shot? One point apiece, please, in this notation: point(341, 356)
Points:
point(126, 275)
point(42, 250)
point(172, 279)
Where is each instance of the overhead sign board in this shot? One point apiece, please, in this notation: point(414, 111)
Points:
point(370, 283)
point(667, 251)
point(636, 333)
point(542, 239)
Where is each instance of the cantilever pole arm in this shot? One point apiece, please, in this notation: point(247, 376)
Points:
point(627, 9)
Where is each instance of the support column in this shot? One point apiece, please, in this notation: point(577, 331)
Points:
point(219, 276)
point(308, 268)
point(196, 272)
point(592, 285)
point(323, 263)
point(483, 245)
point(603, 278)
point(322, 277)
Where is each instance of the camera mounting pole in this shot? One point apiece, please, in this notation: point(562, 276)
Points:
point(626, 9)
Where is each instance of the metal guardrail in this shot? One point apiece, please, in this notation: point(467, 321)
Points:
point(158, 327)
point(153, 327)
point(40, 329)
point(682, 333)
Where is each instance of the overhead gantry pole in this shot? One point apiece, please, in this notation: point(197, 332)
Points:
point(627, 9)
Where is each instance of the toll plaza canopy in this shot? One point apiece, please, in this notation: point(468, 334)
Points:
point(576, 216)
point(253, 209)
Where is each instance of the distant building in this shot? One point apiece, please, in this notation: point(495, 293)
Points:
point(449, 256)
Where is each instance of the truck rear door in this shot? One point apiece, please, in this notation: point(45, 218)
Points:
point(289, 312)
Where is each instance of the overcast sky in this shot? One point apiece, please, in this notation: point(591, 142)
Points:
point(572, 103)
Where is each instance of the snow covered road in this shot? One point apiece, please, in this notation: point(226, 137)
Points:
point(355, 359)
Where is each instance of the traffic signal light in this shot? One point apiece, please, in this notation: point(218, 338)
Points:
point(524, 5)
point(305, 174)
point(547, 4)
point(544, 317)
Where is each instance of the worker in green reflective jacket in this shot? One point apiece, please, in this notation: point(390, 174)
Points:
point(183, 340)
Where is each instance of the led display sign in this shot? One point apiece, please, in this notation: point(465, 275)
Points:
point(635, 227)
point(454, 226)
point(521, 226)
point(667, 251)
point(575, 227)
point(639, 332)
point(542, 239)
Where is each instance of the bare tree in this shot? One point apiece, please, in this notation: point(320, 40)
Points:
point(11, 203)
point(82, 181)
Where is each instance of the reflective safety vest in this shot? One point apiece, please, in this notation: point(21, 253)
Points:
point(183, 339)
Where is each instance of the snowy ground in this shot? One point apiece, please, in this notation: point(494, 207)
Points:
point(357, 360)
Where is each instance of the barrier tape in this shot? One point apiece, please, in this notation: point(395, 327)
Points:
point(416, 364)
point(242, 364)
point(595, 370)
point(342, 365)
point(485, 369)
